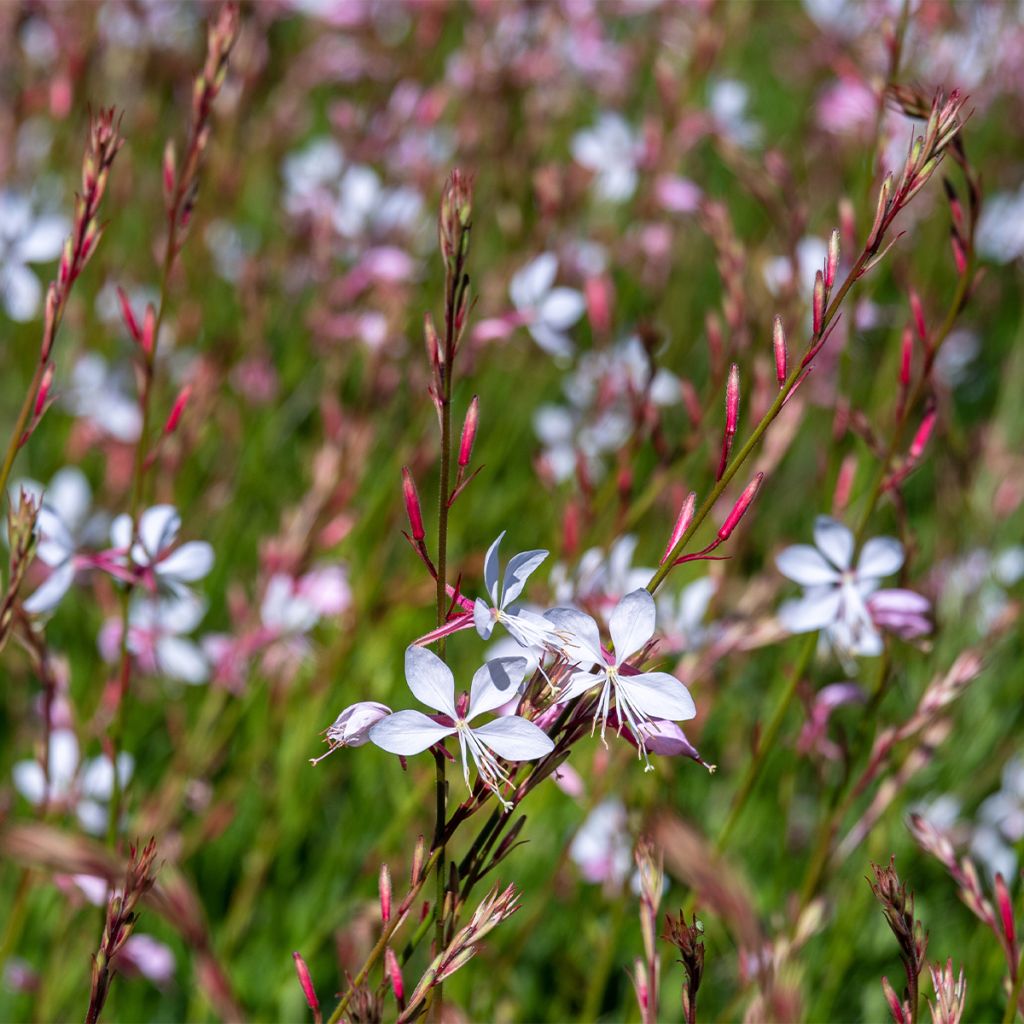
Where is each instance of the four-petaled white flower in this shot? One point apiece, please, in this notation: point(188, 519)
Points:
point(431, 681)
point(836, 593)
point(152, 550)
point(528, 628)
point(639, 698)
point(547, 311)
point(611, 150)
point(25, 239)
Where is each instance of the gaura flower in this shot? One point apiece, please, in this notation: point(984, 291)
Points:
point(837, 596)
point(431, 681)
point(612, 151)
point(152, 550)
point(547, 311)
point(639, 698)
point(527, 628)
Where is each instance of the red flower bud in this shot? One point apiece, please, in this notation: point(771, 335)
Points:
point(739, 509)
point(412, 505)
point(307, 984)
point(469, 432)
point(683, 521)
point(779, 344)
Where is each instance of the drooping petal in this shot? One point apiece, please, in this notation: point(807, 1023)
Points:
point(658, 695)
point(48, 595)
point(632, 624)
point(815, 610)
point(192, 561)
point(491, 569)
point(834, 541)
point(579, 637)
point(517, 572)
point(495, 683)
point(430, 680)
point(805, 565)
point(158, 527)
point(482, 619)
point(408, 732)
point(880, 556)
point(515, 739)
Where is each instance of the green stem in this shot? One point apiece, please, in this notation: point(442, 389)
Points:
point(1010, 1014)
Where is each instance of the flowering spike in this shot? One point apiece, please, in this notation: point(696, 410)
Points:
point(384, 887)
point(740, 508)
point(832, 263)
point(683, 521)
point(469, 432)
point(412, 506)
point(779, 345)
point(306, 981)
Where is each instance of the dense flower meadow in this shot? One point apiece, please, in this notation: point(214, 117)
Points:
point(512, 511)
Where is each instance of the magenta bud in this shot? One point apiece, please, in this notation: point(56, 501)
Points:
point(177, 409)
point(906, 355)
point(1005, 910)
point(128, 316)
point(169, 172)
point(683, 521)
point(832, 263)
point(412, 505)
point(148, 337)
point(307, 984)
point(469, 432)
point(732, 400)
point(921, 437)
point(394, 974)
point(918, 311)
point(740, 508)
point(895, 1006)
point(779, 345)
point(44, 391)
point(384, 887)
point(818, 302)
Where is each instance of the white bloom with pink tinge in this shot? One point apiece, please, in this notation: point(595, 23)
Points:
point(547, 311)
point(431, 681)
point(25, 238)
point(839, 597)
point(153, 549)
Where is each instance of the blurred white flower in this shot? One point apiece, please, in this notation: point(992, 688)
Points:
point(1000, 234)
point(727, 100)
point(602, 848)
point(165, 567)
point(97, 394)
point(548, 312)
point(25, 237)
point(612, 151)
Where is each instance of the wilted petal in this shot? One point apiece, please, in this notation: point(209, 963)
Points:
point(519, 569)
point(495, 683)
point(881, 556)
point(430, 680)
point(632, 624)
point(834, 540)
point(658, 695)
point(192, 561)
point(815, 610)
point(408, 732)
point(48, 595)
point(515, 739)
point(352, 727)
point(805, 565)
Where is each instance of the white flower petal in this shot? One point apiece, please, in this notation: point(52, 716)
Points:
point(553, 342)
point(158, 528)
point(192, 561)
point(29, 780)
point(182, 659)
point(70, 496)
point(21, 292)
point(579, 683)
point(805, 565)
point(530, 284)
point(495, 683)
point(121, 531)
point(834, 541)
point(658, 695)
point(482, 619)
point(48, 595)
point(408, 732)
point(880, 556)
point(44, 240)
point(92, 816)
point(515, 739)
point(492, 569)
point(517, 572)
point(56, 545)
point(430, 680)
point(561, 308)
point(632, 624)
point(815, 610)
point(581, 640)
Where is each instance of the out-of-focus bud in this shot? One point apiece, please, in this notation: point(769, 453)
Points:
point(148, 339)
point(918, 312)
point(384, 888)
point(456, 218)
point(170, 173)
point(779, 346)
point(924, 431)
point(306, 981)
point(394, 975)
point(906, 357)
point(740, 508)
point(818, 302)
point(598, 293)
point(412, 505)
point(683, 521)
point(435, 353)
point(875, 234)
point(177, 409)
point(832, 263)
point(128, 316)
point(419, 853)
point(1005, 905)
point(469, 427)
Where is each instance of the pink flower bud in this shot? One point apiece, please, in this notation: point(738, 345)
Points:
point(417, 860)
point(895, 1006)
point(169, 172)
point(918, 311)
point(44, 391)
point(906, 355)
point(177, 409)
point(384, 888)
point(832, 263)
point(598, 292)
point(394, 974)
point(779, 344)
point(128, 316)
point(412, 505)
point(683, 521)
point(740, 508)
point(921, 437)
point(469, 432)
point(306, 981)
point(732, 413)
point(818, 302)
point(1005, 909)
point(959, 256)
point(148, 330)
point(431, 339)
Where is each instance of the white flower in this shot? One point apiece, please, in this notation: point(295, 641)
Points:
point(602, 848)
point(24, 239)
point(63, 525)
point(811, 254)
point(835, 595)
point(1001, 227)
point(431, 681)
point(611, 150)
point(153, 552)
point(352, 727)
point(528, 628)
point(96, 394)
point(728, 102)
point(157, 636)
point(294, 606)
point(548, 311)
point(639, 698)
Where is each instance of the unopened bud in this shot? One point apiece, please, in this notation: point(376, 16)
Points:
point(177, 409)
point(128, 315)
point(732, 413)
point(906, 357)
point(384, 887)
point(169, 173)
point(740, 508)
point(1005, 909)
point(148, 338)
point(918, 312)
point(394, 974)
point(818, 307)
point(44, 392)
point(683, 521)
point(921, 437)
point(434, 352)
point(874, 235)
point(469, 432)
point(306, 981)
point(417, 860)
point(412, 505)
point(779, 345)
point(832, 263)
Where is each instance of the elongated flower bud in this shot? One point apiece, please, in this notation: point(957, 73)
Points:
point(818, 308)
point(918, 312)
point(177, 409)
point(683, 521)
point(412, 505)
point(832, 263)
point(906, 355)
point(732, 415)
point(921, 437)
point(384, 887)
point(739, 509)
point(779, 345)
point(469, 432)
point(394, 974)
point(306, 981)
